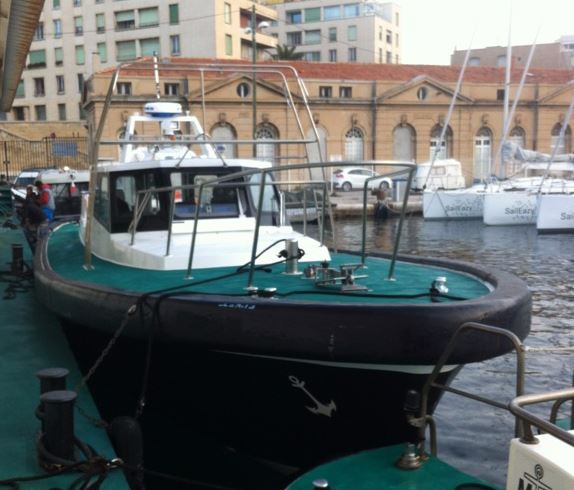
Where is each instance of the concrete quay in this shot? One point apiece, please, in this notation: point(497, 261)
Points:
point(350, 204)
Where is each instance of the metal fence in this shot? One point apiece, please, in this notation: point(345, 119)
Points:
point(16, 155)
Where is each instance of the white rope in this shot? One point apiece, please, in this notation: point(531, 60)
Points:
point(548, 349)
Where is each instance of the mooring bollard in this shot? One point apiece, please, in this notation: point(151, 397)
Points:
point(58, 423)
point(17, 264)
point(51, 379)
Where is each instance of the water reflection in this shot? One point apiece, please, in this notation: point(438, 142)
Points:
point(472, 436)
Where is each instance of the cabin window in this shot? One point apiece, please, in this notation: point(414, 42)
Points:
point(102, 201)
point(270, 206)
point(219, 201)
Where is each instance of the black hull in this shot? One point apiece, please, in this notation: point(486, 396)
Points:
point(247, 358)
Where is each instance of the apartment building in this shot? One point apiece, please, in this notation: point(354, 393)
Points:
point(558, 55)
point(335, 31)
point(75, 38)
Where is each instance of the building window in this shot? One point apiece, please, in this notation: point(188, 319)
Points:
point(500, 94)
point(100, 23)
point(60, 85)
point(19, 113)
point(501, 61)
point(397, 18)
point(351, 33)
point(81, 111)
point(422, 93)
point(333, 55)
point(294, 38)
point(482, 154)
point(80, 55)
point(345, 92)
point(103, 52)
point(40, 112)
point(124, 88)
point(326, 92)
point(148, 17)
point(380, 55)
point(313, 14)
point(332, 34)
point(20, 92)
point(312, 56)
point(389, 37)
point(225, 132)
point(174, 44)
point(80, 82)
point(39, 32)
point(227, 13)
point(149, 47)
point(58, 56)
point(389, 59)
point(77, 3)
point(294, 17)
point(445, 149)
point(351, 10)
point(125, 50)
point(39, 89)
point(55, 4)
point(78, 25)
point(352, 54)
point(380, 33)
point(243, 90)
point(125, 20)
point(57, 28)
point(266, 151)
point(396, 40)
point(565, 145)
point(228, 45)
point(61, 112)
point(37, 59)
point(171, 89)
point(174, 13)
point(313, 37)
point(354, 144)
point(332, 13)
point(474, 61)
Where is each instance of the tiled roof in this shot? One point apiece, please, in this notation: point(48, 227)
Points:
point(384, 72)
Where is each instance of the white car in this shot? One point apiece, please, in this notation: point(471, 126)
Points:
point(349, 178)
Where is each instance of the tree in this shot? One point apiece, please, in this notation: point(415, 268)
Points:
point(285, 52)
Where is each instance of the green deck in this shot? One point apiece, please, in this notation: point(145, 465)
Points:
point(30, 340)
point(66, 256)
point(376, 470)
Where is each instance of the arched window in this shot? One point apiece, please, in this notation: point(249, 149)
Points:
point(404, 143)
point(566, 143)
point(354, 144)
point(446, 147)
point(518, 136)
point(482, 153)
point(224, 132)
point(266, 151)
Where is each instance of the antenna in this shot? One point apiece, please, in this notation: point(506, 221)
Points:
point(156, 75)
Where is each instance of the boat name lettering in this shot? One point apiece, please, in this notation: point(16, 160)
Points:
point(459, 208)
point(566, 216)
point(519, 211)
point(533, 482)
point(236, 306)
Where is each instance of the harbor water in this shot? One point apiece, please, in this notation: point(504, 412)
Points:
point(472, 436)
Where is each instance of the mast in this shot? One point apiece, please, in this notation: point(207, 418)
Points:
point(505, 117)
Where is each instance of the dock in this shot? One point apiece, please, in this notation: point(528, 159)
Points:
point(31, 339)
point(350, 205)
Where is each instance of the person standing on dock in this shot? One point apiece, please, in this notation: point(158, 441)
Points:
point(32, 217)
point(46, 200)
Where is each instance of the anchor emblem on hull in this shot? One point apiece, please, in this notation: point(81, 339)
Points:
point(319, 408)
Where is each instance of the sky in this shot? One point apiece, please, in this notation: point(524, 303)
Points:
point(432, 29)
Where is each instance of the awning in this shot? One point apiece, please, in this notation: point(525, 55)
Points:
point(18, 21)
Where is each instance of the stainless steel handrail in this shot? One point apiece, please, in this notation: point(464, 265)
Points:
point(528, 419)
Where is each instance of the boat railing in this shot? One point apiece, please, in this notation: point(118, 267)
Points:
point(524, 419)
point(237, 179)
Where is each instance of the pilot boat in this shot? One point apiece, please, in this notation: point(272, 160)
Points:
point(299, 351)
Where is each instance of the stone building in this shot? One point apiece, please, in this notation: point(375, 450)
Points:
point(362, 111)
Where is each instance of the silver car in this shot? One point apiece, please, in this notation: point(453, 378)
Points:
point(349, 178)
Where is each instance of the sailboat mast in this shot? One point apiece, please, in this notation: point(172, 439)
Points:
point(505, 117)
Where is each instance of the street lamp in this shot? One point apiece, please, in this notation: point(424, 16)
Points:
point(253, 31)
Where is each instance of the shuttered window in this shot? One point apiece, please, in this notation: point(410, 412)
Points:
point(125, 50)
point(100, 23)
point(313, 14)
point(80, 55)
point(58, 56)
point(149, 47)
point(103, 52)
point(149, 17)
point(125, 20)
point(174, 13)
point(37, 58)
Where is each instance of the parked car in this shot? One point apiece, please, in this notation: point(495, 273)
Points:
point(349, 178)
